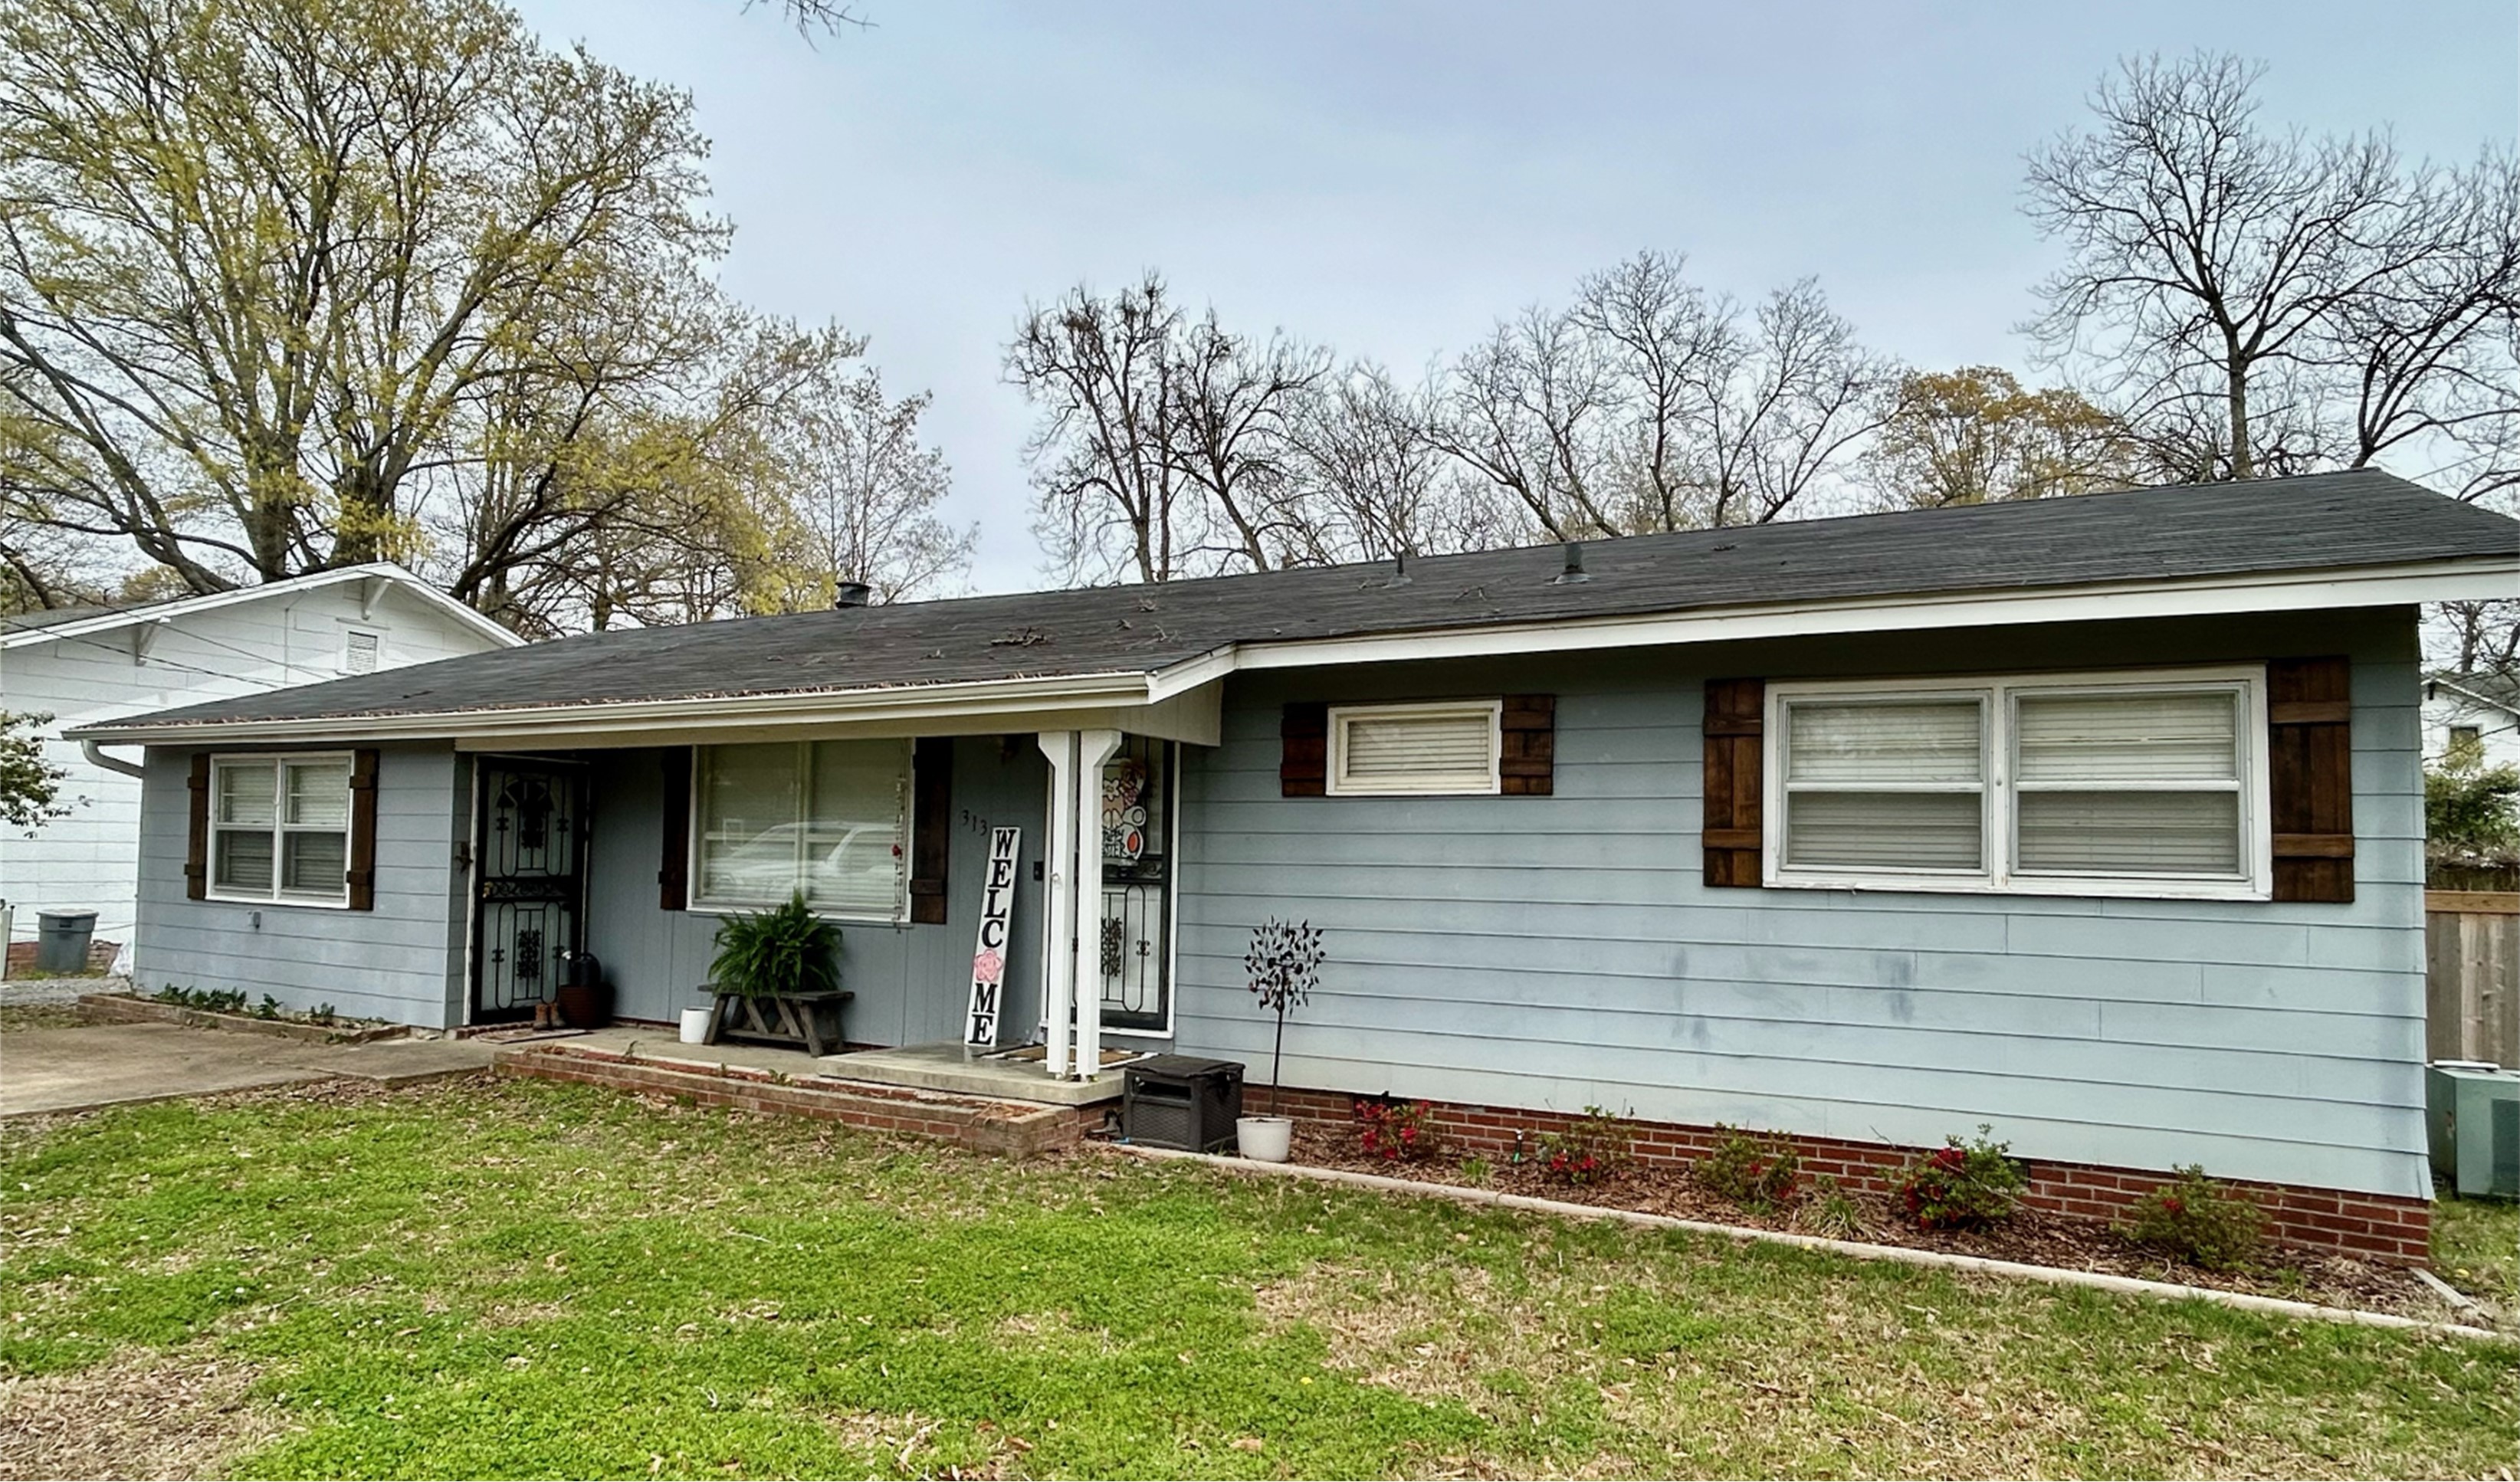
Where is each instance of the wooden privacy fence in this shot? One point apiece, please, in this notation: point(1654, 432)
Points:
point(2472, 975)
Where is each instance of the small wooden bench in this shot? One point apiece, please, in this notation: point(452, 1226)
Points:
point(809, 1019)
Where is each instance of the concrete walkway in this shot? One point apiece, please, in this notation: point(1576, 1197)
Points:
point(109, 1064)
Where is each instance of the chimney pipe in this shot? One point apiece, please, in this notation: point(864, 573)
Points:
point(1574, 571)
point(1399, 569)
point(851, 594)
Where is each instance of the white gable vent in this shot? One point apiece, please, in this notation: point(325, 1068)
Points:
point(360, 651)
point(1446, 747)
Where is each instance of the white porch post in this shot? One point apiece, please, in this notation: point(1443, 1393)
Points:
point(1094, 748)
point(1058, 907)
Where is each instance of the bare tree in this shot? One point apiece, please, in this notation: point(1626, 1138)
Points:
point(2209, 254)
point(1370, 478)
point(1664, 336)
point(1114, 499)
point(1529, 410)
point(1788, 404)
point(867, 488)
point(1230, 400)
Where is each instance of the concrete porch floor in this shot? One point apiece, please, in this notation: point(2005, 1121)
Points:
point(922, 1067)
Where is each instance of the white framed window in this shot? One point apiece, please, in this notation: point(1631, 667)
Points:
point(361, 650)
point(280, 828)
point(830, 818)
point(1451, 746)
point(2139, 784)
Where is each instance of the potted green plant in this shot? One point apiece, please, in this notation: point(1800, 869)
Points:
point(777, 978)
point(1284, 968)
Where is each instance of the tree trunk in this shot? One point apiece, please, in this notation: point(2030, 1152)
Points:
point(2242, 465)
point(1276, 1053)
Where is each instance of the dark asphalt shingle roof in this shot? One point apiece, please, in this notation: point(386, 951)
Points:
point(2322, 521)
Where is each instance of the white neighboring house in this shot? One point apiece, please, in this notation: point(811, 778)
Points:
point(87, 664)
point(2481, 710)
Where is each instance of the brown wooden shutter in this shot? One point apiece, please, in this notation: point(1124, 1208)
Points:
point(931, 827)
point(197, 838)
point(363, 830)
point(1304, 750)
point(674, 867)
point(1527, 767)
point(1735, 720)
point(2310, 777)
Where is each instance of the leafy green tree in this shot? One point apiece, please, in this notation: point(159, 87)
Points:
point(2472, 811)
point(29, 785)
point(1975, 434)
point(268, 268)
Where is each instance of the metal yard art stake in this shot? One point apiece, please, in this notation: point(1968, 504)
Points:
point(989, 957)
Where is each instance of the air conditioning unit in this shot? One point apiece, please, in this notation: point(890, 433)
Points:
point(2475, 1124)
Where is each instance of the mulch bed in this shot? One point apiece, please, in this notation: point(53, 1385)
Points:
point(2032, 1237)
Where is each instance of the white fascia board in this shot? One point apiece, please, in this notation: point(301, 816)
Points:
point(471, 729)
point(211, 602)
point(2222, 596)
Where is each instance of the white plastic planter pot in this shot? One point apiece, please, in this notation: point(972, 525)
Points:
point(1264, 1140)
point(695, 1026)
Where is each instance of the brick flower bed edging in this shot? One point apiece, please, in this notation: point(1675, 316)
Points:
point(2057, 1276)
point(2371, 1227)
point(1016, 1129)
point(128, 1009)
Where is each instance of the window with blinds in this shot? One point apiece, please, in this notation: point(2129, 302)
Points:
point(280, 828)
point(1451, 747)
point(2067, 784)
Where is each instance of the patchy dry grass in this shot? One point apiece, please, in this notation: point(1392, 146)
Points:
point(139, 1414)
point(524, 1279)
point(2476, 1247)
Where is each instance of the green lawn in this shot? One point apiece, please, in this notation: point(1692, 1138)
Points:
point(2476, 1246)
point(529, 1279)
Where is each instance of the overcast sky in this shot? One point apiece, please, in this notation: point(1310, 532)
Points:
point(1391, 178)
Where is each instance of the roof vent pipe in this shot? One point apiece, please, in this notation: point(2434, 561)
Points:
point(1399, 569)
point(1574, 571)
point(852, 594)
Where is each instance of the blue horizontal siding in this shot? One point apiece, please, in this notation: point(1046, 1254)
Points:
point(1561, 952)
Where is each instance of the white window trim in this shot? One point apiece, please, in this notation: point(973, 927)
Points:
point(1998, 693)
point(693, 835)
point(1458, 785)
point(211, 889)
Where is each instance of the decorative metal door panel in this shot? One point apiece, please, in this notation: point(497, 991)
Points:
point(528, 848)
point(1135, 938)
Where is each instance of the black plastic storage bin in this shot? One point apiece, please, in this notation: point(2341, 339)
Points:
point(1174, 1101)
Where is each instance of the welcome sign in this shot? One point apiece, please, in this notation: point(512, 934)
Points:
point(989, 958)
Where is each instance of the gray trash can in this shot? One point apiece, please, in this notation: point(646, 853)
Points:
point(61, 940)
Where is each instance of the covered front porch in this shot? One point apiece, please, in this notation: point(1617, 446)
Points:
point(1004, 898)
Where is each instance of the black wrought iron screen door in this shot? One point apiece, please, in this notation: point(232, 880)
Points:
point(529, 854)
point(1136, 947)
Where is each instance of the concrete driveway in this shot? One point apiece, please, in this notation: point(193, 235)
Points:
point(106, 1065)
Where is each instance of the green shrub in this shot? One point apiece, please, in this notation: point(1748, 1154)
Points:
point(784, 950)
point(1588, 1151)
point(1755, 1172)
point(2198, 1221)
point(1962, 1185)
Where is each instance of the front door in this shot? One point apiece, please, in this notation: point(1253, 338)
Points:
point(530, 852)
point(1136, 938)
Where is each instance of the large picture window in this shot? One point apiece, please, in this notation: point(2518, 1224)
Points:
point(280, 828)
point(827, 818)
point(2138, 785)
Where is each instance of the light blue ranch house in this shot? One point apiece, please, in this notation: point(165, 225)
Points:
point(2097, 820)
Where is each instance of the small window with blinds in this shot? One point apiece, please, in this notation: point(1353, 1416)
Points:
point(2082, 785)
point(1451, 747)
